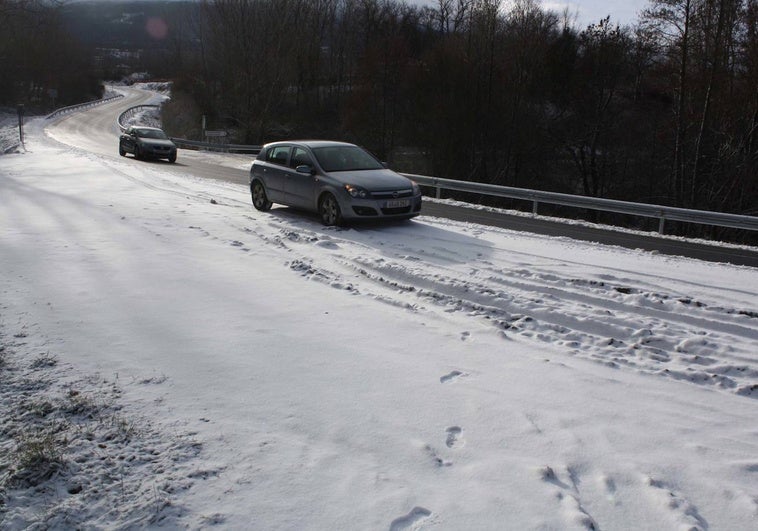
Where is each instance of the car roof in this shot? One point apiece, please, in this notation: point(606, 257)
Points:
point(309, 143)
point(145, 127)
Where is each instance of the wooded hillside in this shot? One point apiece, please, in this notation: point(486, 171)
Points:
point(664, 111)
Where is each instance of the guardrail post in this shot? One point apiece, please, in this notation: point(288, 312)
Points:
point(535, 204)
point(661, 224)
point(20, 109)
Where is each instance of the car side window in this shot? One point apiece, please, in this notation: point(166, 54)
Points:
point(278, 155)
point(300, 157)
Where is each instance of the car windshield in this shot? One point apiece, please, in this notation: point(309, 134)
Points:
point(151, 133)
point(345, 158)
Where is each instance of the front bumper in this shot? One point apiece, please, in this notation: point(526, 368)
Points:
point(403, 208)
point(158, 152)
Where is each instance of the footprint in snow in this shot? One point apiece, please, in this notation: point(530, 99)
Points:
point(608, 485)
point(454, 439)
point(684, 513)
point(409, 520)
point(567, 494)
point(327, 244)
point(750, 467)
point(200, 230)
point(436, 458)
point(452, 376)
point(213, 519)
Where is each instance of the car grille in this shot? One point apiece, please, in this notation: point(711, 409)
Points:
point(392, 194)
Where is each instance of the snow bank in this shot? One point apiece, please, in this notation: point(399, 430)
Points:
point(9, 140)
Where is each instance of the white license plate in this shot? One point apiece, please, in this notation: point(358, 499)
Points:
point(398, 203)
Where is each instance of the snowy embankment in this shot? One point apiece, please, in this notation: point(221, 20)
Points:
point(424, 375)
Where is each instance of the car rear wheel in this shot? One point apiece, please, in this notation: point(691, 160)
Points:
point(137, 154)
point(329, 210)
point(260, 200)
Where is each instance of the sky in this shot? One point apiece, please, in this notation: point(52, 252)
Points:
point(590, 11)
point(623, 12)
point(201, 364)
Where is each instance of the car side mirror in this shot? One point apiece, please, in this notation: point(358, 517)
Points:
point(386, 166)
point(305, 168)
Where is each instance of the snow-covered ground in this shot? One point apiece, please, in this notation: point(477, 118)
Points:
point(172, 357)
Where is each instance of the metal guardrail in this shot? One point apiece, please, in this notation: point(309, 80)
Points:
point(131, 111)
point(185, 143)
point(662, 213)
point(58, 112)
point(211, 146)
point(78, 106)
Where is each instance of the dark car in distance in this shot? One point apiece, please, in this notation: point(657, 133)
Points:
point(146, 142)
point(339, 181)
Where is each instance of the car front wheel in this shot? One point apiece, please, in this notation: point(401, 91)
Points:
point(329, 210)
point(260, 200)
point(121, 150)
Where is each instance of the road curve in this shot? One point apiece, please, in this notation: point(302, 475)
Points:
point(95, 130)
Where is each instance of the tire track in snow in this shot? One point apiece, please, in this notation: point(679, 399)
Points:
point(611, 322)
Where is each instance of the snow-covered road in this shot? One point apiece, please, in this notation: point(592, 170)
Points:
point(423, 375)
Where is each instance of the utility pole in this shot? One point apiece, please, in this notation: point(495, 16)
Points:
point(20, 109)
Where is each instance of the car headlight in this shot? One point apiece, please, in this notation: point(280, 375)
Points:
point(416, 188)
point(357, 192)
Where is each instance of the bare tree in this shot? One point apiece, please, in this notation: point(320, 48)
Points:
point(671, 20)
point(250, 52)
point(42, 64)
point(450, 15)
point(718, 23)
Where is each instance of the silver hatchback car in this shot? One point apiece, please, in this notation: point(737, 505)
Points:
point(339, 181)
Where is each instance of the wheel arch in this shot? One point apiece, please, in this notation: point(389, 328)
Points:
point(327, 189)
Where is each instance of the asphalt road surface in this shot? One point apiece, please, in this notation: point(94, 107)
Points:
point(96, 130)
